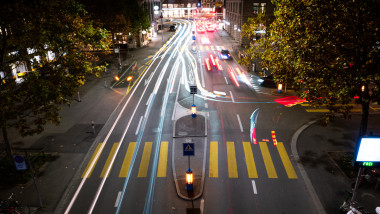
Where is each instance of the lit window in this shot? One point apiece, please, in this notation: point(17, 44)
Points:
point(263, 5)
point(256, 8)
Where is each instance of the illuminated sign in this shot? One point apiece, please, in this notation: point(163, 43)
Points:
point(368, 151)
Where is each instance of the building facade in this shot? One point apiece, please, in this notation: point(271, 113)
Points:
point(237, 13)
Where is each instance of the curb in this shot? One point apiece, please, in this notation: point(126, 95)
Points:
point(317, 203)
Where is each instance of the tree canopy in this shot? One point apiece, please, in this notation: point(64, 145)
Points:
point(48, 37)
point(328, 49)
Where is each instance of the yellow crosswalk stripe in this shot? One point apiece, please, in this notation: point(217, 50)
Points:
point(286, 161)
point(201, 48)
point(127, 160)
point(91, 160)
point(213, 168)
point(267, 160)
point(144, 164)
point(222, 47)
point(206, 47)
point(251, 166)
point(212, 48)
point(232, 167)
point(163, 159)
point(109, 159)
point(218, 48)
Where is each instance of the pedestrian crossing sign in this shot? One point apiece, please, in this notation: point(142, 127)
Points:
point(188, 149)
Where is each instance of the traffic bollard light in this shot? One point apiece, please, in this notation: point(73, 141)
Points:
point(194, 111)
point(189, 179)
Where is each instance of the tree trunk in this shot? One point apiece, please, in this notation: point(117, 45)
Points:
point(364, 121)
point(7, 144)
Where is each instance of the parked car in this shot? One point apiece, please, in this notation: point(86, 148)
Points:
point(173, 28)
point(267, 81)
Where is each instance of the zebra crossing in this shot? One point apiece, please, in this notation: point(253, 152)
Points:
point(213, 160)
point(210, 47)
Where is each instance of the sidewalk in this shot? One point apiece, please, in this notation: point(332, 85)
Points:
point(69, 143)
point(323, 152)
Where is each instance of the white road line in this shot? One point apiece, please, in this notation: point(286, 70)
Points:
point(208, 114)
point(220, 92)
point(232, 97)
point(138, 127)
point(202, 205)
point(150, 97)
point(226, 80)
point(254, 187)
point(118, 198)
point(206, 105)
point(241, 127)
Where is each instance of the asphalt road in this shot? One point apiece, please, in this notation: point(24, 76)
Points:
point(132, 171)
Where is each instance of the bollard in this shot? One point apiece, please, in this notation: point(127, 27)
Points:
point(93, 126)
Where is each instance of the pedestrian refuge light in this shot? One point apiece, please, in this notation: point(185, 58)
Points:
point(117, 78)
point(193, 110)
point(279, 87)
point(363, 88)
point(129, 78)
point(189, 179)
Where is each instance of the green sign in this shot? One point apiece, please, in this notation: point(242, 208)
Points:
point(367, 163)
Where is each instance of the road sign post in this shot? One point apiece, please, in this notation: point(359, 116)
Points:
point(188, 150)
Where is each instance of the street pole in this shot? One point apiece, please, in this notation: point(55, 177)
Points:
point(162, 29)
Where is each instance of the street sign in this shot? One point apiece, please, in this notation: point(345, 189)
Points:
point(117, 50)
point(193, 37)
point(19, 162)
point(188, 149)
point(193, 89)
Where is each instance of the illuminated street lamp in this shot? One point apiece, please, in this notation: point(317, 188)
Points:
point(189, 179)
point(193, 111)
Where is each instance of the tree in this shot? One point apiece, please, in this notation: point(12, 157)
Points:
point(49, 37)
point(329, 49)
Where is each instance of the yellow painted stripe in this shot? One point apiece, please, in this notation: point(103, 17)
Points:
point(232, 167)
point(163, 159)
point(286, 161)
point(251, 166)
point(127, 160)
point(91, 160)
point(267, 160)
point(317, 110)
point(144, 164)
point(201, 48)
point(206, 47)
point(212, 48)
point(213, 168)
point(222, 47)
point(108, 162)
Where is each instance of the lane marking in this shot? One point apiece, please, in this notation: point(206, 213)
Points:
point(163, 159)
point(267, 160)
point(109, 159)
point(94, 156)
point(250, 161)
point(202, 205)
point(220, 92)
point(206, 105)
point(144, 164)
point(254, 187)
point(286, 161)
point(225, 78)
point(117, 198)
point(213, 167)
point(138, 126)
point(241, 126)
point(232, 97)
point(232, 166)
point(127, 160)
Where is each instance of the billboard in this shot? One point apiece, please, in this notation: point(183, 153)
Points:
point(369, 149)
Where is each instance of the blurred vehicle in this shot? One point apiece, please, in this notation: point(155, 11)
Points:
point(205, 40)
point(173, 28)
point(267, 81)
point(200, 29)
point(224, 54)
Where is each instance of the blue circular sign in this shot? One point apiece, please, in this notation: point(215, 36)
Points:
point(19, 159)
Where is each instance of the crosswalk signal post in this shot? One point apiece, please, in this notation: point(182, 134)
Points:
point(189, 179)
